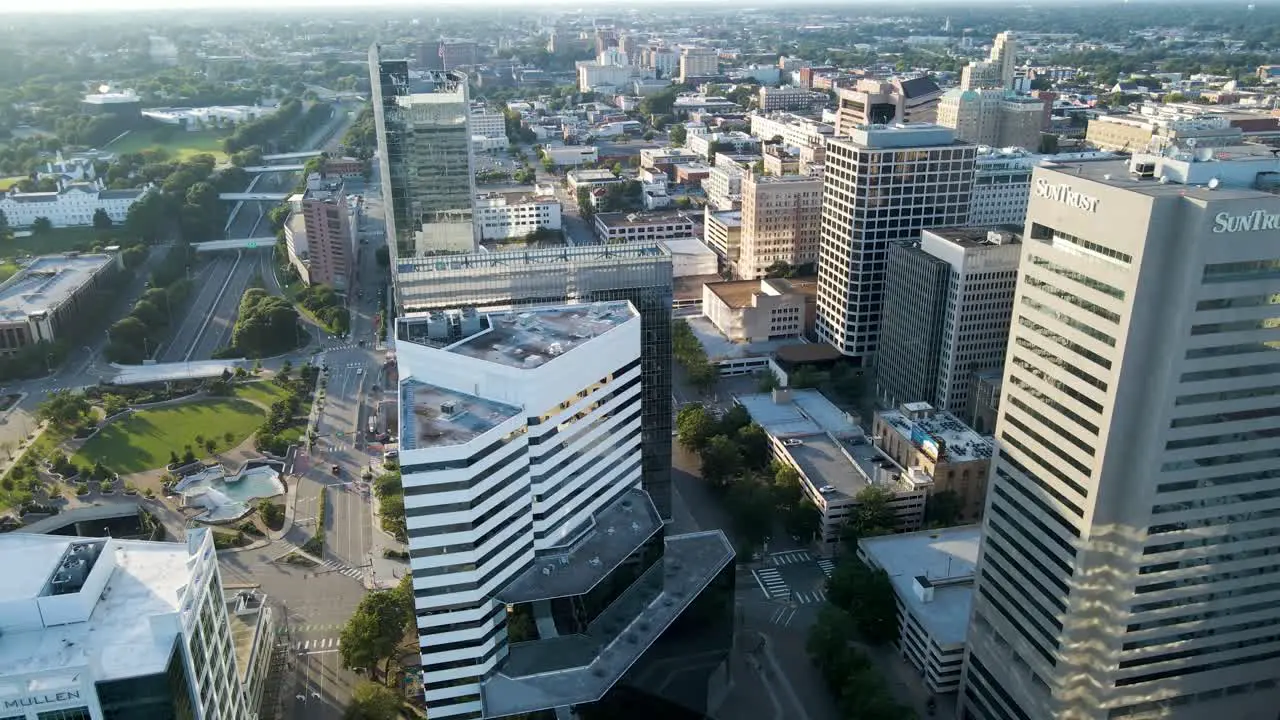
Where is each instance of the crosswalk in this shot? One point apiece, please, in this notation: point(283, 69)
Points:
point(790, 557)
point(771, 584)
point(313, 629)
point(68, 388)
point(827, 566)
point(809, 597)
point(335, 566)
point(314, 645)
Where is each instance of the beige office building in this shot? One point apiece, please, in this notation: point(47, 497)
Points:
point(781, 222)
point(755, 310)
point(993, 117)
point(698, 63)
point(1129, 562)
point(872, 102)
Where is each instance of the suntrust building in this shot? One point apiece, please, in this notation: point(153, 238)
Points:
point(1129, 566)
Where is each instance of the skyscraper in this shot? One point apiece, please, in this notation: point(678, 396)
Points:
point(425, 158)
point(1128, 567)
point(999, 69)
point(880, 185)
point(542, 571)
point(946, 313)
point(639, 272)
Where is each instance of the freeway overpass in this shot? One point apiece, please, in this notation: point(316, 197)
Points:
point(266, 241)
point(272, 168)
point(258, 196)
point(291, 156)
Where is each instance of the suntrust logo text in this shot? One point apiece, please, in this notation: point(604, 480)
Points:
point(1066, 195)
point(1257, 220)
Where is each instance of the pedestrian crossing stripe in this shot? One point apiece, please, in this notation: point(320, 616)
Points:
point(344, 570)
point(827, 566)
point(320, 644)
point(791, 556)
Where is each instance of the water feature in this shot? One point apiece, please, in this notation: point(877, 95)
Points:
point(228, 497)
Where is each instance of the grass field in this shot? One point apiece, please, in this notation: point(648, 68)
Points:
point(145, 439)
point(59, 240)
point(8, 182)
point(180, 143)
point(7, 269)
point(264, 392)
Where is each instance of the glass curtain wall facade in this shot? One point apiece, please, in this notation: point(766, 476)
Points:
point(425, 158)
point(638, 272)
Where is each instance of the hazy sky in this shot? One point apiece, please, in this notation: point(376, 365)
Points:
point(79, 6)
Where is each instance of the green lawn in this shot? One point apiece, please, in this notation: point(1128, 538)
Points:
point(264, 392)
point(180, 143)
point(7, 269)
point(58, 240)
point(8, 182)
point(145, 439)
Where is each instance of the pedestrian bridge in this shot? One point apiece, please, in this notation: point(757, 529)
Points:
point(267, 241)
point(291, 156)
point(259, 196)
point(273, 168)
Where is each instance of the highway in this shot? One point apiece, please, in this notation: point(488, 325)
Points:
point(207, 280)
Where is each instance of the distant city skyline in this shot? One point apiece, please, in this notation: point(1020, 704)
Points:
point(96, 6)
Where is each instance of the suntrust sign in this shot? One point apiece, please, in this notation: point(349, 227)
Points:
point(1225, 222)
point(1066, 195)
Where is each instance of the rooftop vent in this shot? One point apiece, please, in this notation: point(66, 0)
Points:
point(547, 570)
point(594, 562)
point(448, 407)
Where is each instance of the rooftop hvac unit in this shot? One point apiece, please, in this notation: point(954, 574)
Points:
point(469, 322)
point(437, 326)
point(448, 407)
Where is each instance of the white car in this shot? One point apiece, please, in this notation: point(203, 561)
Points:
point(359, 371)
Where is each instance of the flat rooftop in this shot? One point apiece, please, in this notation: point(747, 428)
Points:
point(946, 559)
point(118, 638)
point(728, 218)
point(1236, 169)
point(625, 219)
point(46, 283)
point(739, 293)
point(570, 670)
point(798, 412)
point(433, 416)
point(968, 237)
point(529, 338)
point(720, 347)
point(611, 535)
point(957, 442)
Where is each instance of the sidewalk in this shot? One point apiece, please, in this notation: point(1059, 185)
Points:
point(385, 572)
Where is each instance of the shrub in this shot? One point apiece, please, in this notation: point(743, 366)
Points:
point(189, 455)
point(149, 493)
point(106, 486)
point(82, 488)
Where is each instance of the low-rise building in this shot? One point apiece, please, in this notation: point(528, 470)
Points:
point(834, 458)
point(691, 173)
point(344, 167)
point(755, 310)
point(688, 103)
point(488, 124)
point(44, 300)
point(618, 227)
point(590, 179)
point(513, 215)
point(942, 448)
point(787, 97)
point(571, 155)
point(665, 159)
point(72, 205)
point(708, 144)
point(723, 186)
point(723, 232)
point(932, 574)
point(103, 628)
point(690, 257)
point(199, 118)
point(791, 130)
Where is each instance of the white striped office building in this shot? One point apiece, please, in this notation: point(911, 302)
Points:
point(516, 428)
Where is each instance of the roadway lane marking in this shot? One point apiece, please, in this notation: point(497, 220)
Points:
point(213, 309)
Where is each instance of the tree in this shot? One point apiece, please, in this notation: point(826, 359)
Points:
point(780, 269)
point(828, 645)
point(383, 256)
point(1048, 144)
point(734, 419)
point(41, 225)
point(371, 701)
point(5, 230)
point(63, 410)
point(867, 595)
point(372, 634)
point(678, 134)
point(585, 208)
point(871, 515)
point(720, 460)
point(943, 508)
point(751, 505)
point(101, 220)
point(694, 426)
point(753, 444)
